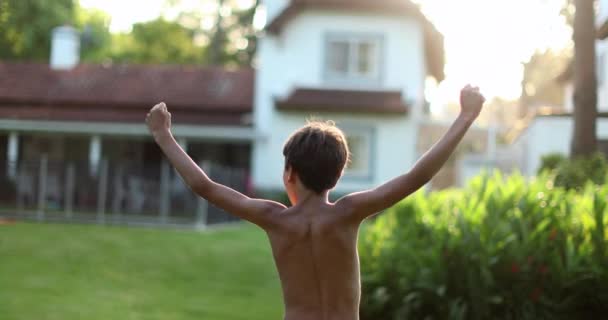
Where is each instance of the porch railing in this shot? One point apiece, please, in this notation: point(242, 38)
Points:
point(114, 193)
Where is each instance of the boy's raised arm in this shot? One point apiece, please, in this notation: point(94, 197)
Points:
point(261, 212)
point(367, 203)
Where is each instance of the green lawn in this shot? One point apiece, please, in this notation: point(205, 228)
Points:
point(64, 272)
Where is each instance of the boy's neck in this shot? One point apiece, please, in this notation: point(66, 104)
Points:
point(306, 195)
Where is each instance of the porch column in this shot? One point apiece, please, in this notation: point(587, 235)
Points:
point(94, 155)
point(12, 155)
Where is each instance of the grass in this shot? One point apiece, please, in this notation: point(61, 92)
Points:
point(63, 272)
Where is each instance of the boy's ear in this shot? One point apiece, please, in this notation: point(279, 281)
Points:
point(291, 174)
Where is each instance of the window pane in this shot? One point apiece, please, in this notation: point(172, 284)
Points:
point(359, 148)
point(338, 57)
point(367, 58)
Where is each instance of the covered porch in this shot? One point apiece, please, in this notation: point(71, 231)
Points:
point(74, 146)
point(114, 174)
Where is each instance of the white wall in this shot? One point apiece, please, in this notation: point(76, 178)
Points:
point(392, 151)
point(552, 135)
point(602, 75)
point(295, 58)
point(602, 12)
point(274, 7)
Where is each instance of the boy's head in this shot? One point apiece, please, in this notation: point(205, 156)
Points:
point(317, 153)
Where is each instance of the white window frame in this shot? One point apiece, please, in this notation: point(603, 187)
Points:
point(368, 134)
point(352, 77)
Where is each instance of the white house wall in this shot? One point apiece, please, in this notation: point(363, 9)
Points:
point(274, 7)
point(552, 135)
point(602, 75)
point(602, 12)
point(296, 57)
point(392, 149)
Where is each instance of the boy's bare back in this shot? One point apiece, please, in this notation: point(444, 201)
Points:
point(314, 242)
point(315, 250)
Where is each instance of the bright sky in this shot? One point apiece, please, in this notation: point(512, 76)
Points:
point(486, 40)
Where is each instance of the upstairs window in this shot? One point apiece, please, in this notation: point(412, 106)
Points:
point(353, 58)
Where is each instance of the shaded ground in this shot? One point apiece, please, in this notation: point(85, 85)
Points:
point(64, 272)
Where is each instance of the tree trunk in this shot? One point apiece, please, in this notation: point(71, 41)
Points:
point(584, 140)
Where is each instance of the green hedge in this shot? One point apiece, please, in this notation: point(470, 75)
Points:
point(501, 248)
point(575, 173)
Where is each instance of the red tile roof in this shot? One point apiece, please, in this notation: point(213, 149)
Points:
point(124, 92)
point(434, 45)
point(381, 102)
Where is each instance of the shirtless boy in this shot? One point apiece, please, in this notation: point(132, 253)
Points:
point(314, 242)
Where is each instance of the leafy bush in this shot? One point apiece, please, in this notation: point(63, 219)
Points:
point(497, 249)
point(551, 162)
point(575, 173)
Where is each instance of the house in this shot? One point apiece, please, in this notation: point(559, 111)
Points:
point(70, 132)
point(360, 63)
point(550, 131)
point(87, 121)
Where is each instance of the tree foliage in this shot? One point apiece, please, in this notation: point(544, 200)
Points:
point(96, 37)
point(25, 26)
point(156, 42)
point(230, 38)
point(539, 85)
point(228, 30)
point(26, 29)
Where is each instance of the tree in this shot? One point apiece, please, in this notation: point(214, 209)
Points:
point(25, 27)
point(155, 42)
point(249, 33)
point(96, 39)
point(25, 33)
point(584, 140)
point(218, 39)
point(539, 85)
point(231, 38)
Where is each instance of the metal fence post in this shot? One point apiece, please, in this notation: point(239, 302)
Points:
point(165, 196)
point(42, 187)
point(202, 208)
point(102, 192)
point(70, 176)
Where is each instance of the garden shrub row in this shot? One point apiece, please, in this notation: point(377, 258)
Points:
point(500, 248)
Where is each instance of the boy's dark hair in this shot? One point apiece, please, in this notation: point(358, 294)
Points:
point(317, 152)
